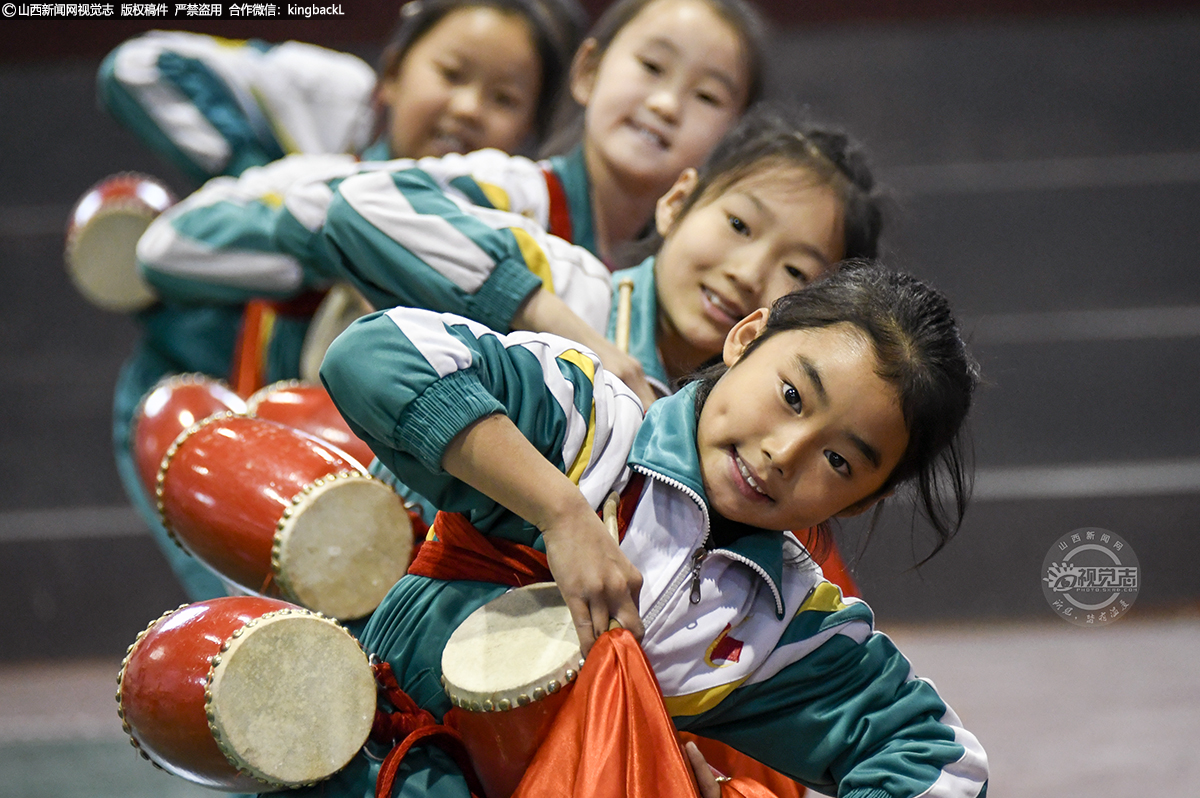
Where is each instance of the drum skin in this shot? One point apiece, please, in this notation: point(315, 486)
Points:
point(227, 484)
point(102, 235)
point(171, 407)
point(307, 407)
point(162, 684)
point(281, 513)
point(170, 702)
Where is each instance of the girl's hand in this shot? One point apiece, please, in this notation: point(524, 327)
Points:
point(706, 777)
point(596, 579)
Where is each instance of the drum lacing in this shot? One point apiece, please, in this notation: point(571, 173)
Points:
point(407, 725)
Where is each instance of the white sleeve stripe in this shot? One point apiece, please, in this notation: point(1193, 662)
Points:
point(168, 253)
point(444, 353)
point(429, 237)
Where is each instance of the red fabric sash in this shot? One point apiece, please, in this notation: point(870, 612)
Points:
point(457, 550)
point(407, 726)
point(258, 322)
point(560, 211)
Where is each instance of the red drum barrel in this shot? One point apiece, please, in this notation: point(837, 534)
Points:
point(276, 511)
point(246, 694)
point(307, 406)
point(174, 404)
point(507, 669)
point(102, 236)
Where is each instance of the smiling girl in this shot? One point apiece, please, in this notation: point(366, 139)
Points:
point(820, 408)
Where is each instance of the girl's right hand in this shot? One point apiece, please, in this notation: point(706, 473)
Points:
point(597, 581)
point(625, 366)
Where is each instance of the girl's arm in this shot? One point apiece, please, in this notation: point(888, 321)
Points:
point(597, 581)
point(213, 106)
point(525, 433)
point(219, 245)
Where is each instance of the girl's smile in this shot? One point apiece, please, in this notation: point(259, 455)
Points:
point(470, 82)
point(660, 96)
point(799, 430)
point(766, 235)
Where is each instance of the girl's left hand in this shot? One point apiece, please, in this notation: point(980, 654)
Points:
point(706, 778)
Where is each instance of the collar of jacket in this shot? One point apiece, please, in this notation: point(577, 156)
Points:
point(665, 447)
point(643, 322)
point(572, 171)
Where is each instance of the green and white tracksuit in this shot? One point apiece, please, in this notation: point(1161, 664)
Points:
point(768, 658)
point(214, 106)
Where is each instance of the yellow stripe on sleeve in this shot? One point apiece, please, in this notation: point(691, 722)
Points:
point(495, 195)
point(535, 257)
point(584, 364)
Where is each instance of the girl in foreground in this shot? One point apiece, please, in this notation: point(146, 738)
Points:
point(820, 408)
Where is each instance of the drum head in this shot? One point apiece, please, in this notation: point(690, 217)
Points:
point(293, 699)
point(343, 545)
point(513, 650)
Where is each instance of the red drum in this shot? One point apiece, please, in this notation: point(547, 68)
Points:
point(279, 512)
point(102, 236)
point(507, 669)
point(307, 406)
point(246, 694)
point(175, 404)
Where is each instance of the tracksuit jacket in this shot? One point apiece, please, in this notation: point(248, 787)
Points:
point(750, 644)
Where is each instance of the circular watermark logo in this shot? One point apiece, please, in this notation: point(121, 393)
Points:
point(1090, 576)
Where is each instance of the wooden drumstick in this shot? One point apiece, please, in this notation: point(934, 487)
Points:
point(624, 310)
point(610, 521)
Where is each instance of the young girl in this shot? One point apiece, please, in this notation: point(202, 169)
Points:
point(189, 96)
point(821, 408)
point(457, 75)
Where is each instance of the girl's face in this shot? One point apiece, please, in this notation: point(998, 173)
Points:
point(764, 236)
point(472, 81)
point(800, 430)
point(671, 83)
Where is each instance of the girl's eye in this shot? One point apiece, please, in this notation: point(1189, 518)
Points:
point(838, 462)
point(506, 100)
point(709, 99)
point(792, 397)
point(739, 227)
point(653, 67)
point(796, 274)
point(452, 74)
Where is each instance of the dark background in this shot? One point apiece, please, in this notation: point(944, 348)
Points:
point(1045, 161)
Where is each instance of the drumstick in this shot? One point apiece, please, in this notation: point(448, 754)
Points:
point(624, 310)
point(610, 521)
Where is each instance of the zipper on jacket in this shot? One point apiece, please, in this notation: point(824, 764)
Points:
point(687, 569)
point(697, 562)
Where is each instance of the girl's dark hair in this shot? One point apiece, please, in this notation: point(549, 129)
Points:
point(768, 137)
point(920, 352)
point(567, 128)
point(557, 27)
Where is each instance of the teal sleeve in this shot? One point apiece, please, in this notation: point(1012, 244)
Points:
point(408, 381)
point(420, 249)
point(223, 253)
point(250, 142)
point(849, 719)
